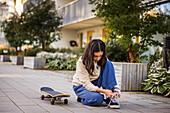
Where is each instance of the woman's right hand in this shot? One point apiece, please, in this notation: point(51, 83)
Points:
point(109, 93)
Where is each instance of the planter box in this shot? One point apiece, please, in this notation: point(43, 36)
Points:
point(5, 58)
point(10, 58)
point(17, 60)
point(130, 75)
point(34, 62)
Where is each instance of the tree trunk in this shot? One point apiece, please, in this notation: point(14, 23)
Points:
point(43, 46)
point(20, 49)
point(16, 51)
point(132, 59)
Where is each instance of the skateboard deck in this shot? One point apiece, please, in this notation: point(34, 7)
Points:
point(54, 95)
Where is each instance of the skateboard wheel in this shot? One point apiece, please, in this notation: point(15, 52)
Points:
point(65, 101)
point(42, 97)
point(52, 101)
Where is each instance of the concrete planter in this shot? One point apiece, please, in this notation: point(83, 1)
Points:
point(130, 75)
point(17, 60)
point(34, 62)
point(5, 58)
point(10, 58)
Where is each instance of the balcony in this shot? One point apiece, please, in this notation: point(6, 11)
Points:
point(77, 15)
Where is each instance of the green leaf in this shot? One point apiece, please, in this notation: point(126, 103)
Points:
point(145, 82)
point(167, 85)
point(153, 90)
point(147, 87)
point(161, 89)
point(154, 75)
point(163, 78)
point(168, 93)
point(161, 69)
point(168, 90)
point(155, 80)
point(168, 78)
point(156, 83)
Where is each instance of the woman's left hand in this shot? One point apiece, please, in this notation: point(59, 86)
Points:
point(116, 94)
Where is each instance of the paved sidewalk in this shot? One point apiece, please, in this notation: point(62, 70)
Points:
point(19, 92)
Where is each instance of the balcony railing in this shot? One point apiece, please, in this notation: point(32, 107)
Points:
point(76, 11)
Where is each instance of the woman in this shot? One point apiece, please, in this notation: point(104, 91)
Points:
point(94, 71)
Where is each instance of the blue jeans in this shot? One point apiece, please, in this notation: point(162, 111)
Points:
point(106, 80)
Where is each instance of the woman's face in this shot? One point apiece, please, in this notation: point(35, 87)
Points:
point(98, 56)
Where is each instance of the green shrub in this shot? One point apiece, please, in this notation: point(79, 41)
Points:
point(158, 79)
point(62, 64)
point(64, 50)
point(12, 52)
point(158, 82)
point(116, 52)
point(32, 51)
point(76, 51)
point(51, 50)
point(2, 51)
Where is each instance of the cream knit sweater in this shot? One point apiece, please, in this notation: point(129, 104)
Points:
point(82, 77)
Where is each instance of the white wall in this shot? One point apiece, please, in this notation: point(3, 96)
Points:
point(67, 35)
point(96, 34)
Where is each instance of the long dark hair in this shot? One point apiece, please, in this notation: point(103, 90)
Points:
point(95, 45)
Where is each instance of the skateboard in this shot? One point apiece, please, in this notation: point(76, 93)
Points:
point(54, 95)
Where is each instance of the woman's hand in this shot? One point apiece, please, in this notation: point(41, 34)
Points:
point(105, 91)
point(109, 93)
point(116, 94)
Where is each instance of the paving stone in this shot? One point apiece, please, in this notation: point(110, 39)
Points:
point(4, 99)
point(72, 104)
point(161, 99)
point(78, 110)
point(8, 107)
point(164, 110)
point(150, 110)
point(32, 109)
point(163, 105)
point(127, 110)
point(51, 108)
point(19, 99)
point(103, 110)
point(8, 89)
point(2, 94)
